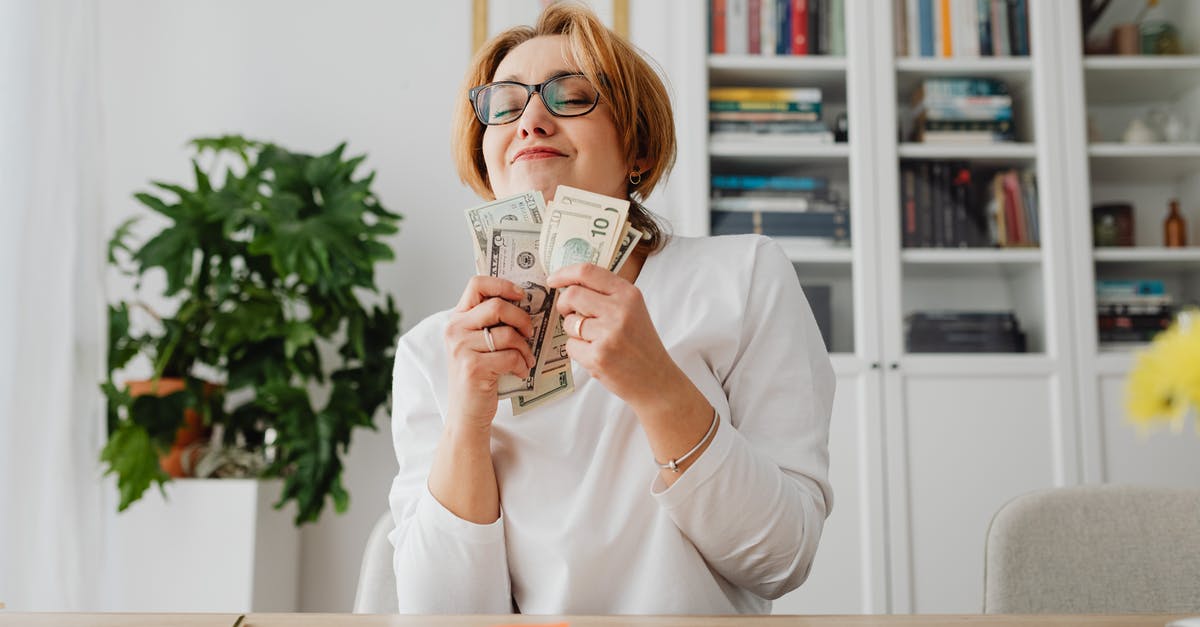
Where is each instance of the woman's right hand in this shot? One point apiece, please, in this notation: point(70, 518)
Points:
point(474, 369)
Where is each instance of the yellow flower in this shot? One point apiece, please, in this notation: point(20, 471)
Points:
point(1165, 381)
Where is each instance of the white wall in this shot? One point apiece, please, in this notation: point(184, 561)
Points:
point(309, 74)
point(306, 74)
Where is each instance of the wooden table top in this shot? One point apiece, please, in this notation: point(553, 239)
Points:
point(14, 619)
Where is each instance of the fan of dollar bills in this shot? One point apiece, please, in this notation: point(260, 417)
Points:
point(524, 239)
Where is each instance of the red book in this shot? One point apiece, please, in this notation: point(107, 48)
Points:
point(799, 26)
point(717, 23)
point(755, 16)
point(1014, 209)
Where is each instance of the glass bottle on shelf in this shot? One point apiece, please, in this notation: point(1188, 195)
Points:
point(1174, 228)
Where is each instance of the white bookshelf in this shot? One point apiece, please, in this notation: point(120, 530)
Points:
point(1014, 71)
point(926, 447)
point(1133, 79)
point(827, 73)
point(1141, 163)
point(1101, 95)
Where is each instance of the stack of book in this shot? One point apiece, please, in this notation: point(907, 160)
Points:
point(799, 207)
point(963, 332)
point(961, 28)
point(945, 204)
point(780, 113)
point(958, 110)
point(777, 27)
point(1132, 311)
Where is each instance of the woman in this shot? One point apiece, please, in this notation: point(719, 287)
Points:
point(687, 473)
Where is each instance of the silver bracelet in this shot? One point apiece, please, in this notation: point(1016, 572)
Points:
point(673, 465)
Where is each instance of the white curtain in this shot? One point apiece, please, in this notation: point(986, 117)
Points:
point(52, 332)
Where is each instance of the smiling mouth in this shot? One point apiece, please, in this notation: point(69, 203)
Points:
point(536, 155)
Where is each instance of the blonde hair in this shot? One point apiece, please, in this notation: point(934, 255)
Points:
point(633, 91)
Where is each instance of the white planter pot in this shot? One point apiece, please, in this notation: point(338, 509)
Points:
point(214, 545)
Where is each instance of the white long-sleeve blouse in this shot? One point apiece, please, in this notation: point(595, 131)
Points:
point(586, 525)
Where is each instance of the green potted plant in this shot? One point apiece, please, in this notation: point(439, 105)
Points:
point(268, 272)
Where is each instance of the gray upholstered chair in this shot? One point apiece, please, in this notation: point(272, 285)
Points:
point(376, 592)
point(1095, 549)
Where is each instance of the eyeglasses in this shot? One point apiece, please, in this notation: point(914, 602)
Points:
point(565, 96)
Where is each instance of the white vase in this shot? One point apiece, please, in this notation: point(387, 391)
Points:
point(214, 545)
point(1138, 132)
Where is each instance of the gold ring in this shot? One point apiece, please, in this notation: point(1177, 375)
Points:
point(487, 337)
point(579, 326)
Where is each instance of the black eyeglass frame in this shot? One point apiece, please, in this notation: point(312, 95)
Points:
point(529, 91)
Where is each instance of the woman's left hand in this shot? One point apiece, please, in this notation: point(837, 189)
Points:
point(611, 335)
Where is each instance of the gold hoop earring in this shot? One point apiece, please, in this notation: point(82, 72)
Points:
point(635, 177)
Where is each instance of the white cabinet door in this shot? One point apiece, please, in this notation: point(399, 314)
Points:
point(971, 444)
point(847, 576)
point(1162, 458)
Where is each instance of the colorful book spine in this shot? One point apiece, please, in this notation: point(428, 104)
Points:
point(1018, 23)
point(737, 27)
point(779, 94)
point(754, 17)
point(816, 19)
point(768, 27)
point(813, 108)
point(837, 28)
point(983, 15)
point(945, 29)
point(762, 116)
point(781, 183)
point(800, 27)
point(716, 22)
point(783, 41)
point(925, 13)
point(1000, 40)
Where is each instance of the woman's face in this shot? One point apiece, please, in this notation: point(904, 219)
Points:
point(539, 151)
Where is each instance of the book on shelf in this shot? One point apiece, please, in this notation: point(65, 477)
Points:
point(962, 110)
point(949, 204)
point(775, 138)
point(790, 117)
point(963, 332)
point(1126, 288)
point(961, 136)
point(1132, 311)
point(947, 87)
point(785, 127)
point(768, 182)
point(740, 113)
point(798, 95)
point(716, 27)
point(777, 27)
point(979, 108)
point(831, 226)
point(785, 202)
point(737, 31)
point(1132, 327)
point(812, 109)
point(961, 28)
